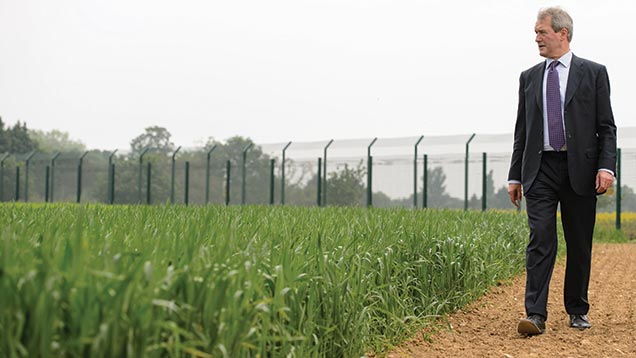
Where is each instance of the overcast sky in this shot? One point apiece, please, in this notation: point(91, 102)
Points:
point(281, 70)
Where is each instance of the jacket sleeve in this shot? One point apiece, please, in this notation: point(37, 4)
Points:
point(605, 127)
point(519, 135)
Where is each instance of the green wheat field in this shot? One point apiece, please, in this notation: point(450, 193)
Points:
point(241, 281)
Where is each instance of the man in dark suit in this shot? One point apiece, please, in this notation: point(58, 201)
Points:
point(564, 154)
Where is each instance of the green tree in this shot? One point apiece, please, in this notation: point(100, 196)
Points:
point(56, 141)
point(16, 139)
point(436, 197)
point(4, 138)
point(130, 175)
point(155, 138)
point(500, 199)
point(496, 199)
point(346, 187)
point(257, 165)
point(381, 200)
point(301, 183)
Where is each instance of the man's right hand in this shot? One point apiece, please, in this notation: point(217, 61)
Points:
point(514, 190)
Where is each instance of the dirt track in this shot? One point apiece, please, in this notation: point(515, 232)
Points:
point(487, 328)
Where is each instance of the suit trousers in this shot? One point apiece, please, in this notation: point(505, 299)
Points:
point(578, 213)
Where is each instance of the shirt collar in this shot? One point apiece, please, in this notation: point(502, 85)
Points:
point(565, 60)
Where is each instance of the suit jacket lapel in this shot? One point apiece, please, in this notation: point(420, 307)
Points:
point(574, 78)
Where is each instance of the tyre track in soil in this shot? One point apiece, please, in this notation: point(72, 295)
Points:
point(488, 327)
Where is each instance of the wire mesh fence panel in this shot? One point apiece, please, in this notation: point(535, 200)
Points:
point(20, 187)
point(216, 186)
point(607, 202)
point(159, 191)
point(190, 172)
point(94, 184)
point(177, 196)
point(234, 182)
point(396, 175)
point(446, 170)
point(498, 165)
point(301, 173)
point(497, 148)
point(345, 173)
point(255, 180)
point(64, 178)
point(392, 180)
point(196, 178)
point(393, 172)
point(301, 182)
point(8, 180)
point(345, 182)
point(445, 181)
point(274, 189)
point(125, 184)
point(35, 184)
point(475, 182)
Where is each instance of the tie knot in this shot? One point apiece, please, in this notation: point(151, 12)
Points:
point(553, 65)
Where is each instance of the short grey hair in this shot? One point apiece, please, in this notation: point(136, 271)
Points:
point(560, 19)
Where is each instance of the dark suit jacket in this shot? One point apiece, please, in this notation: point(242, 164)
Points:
point(590, 132)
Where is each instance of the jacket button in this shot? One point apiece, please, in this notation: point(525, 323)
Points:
point(540, 152)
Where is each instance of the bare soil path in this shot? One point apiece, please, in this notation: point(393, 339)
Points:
point(488, 328)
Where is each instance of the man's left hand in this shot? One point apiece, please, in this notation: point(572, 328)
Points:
point(603, 181)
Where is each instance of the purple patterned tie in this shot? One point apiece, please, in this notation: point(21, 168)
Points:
point(553, 102)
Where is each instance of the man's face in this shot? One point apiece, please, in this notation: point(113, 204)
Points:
point(551, 44)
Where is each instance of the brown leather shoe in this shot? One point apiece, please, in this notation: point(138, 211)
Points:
point(579, 321)
point(532, 325)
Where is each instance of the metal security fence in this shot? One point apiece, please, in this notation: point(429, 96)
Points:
point(460, 171)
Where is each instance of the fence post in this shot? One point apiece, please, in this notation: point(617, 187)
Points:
point(53, 174)
point(79, 177)
point(227, 183)
point(415, 173)
point(207, 175)
point(282, 178)
point(26, 176)
point(109, 185)
point(271, 181)
point(112, 183)
point(187, 182)
point(17, 183)
point(319, 196)
point(425, 180)
point(618, 189)
point(466, 173)
point(172, 175)
point(324, 174)
point(141, 162)
point(46, 184)
point(369, 181)
point(484, 189)
point(4, 157)
point(148, 181)
point(370, 174)
point(244, 173)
